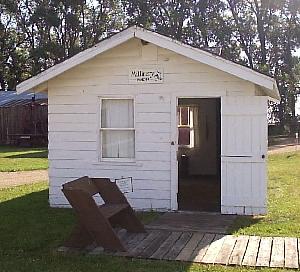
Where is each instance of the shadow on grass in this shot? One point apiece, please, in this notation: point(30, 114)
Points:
point(242, 222)
point(30, 232)
point(29, 155)
point(148, 217)
point(28, 223)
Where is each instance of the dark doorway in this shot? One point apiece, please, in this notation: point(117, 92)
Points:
point(199, 148)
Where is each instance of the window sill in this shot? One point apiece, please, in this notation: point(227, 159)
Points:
point(118, 163)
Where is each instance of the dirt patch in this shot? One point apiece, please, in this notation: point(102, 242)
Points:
point(10, 179)
point(276, 149)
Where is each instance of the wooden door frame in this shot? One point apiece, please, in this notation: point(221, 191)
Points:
point(174, 147)
point(173, 153)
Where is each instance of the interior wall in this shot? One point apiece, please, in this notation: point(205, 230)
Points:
point(203, 157)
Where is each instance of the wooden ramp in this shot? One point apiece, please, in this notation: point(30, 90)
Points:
point(209, 248)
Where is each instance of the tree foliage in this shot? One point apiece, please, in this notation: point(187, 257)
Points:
point(262, 34)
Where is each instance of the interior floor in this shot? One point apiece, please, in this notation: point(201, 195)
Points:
point(199, 193)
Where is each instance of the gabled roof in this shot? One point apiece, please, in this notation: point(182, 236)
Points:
point(267, 83)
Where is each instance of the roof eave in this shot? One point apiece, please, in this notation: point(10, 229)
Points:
point(267, 83)
point(277, 96)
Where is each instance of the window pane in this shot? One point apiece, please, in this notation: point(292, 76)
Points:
point(183, 136)
point(117, 144)
point(117, 113)
point(184, 116)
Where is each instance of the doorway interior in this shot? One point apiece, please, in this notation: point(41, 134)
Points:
point(199, 149)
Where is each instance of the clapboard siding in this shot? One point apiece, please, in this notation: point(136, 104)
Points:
point(149, 98)
point(56, 144)
point(152, 155)
point(78, 108)
point(149, 137)
point(74, 118)
point(72, 99)
point(191, 77)
point(141, 166)
point(90, 155)
point(98, 172)
point(72, 127)
point(137, 194)
point(123, 80)
point(113, 65)
point(210, 89)
point(93, 71)
point(152, 107)
point(72, 136)
point(97, 68)
point(74, 106)
point(150, 204)
point(153, 127)
point(73, 145)
point(93, 156)
point(138, 184)
point(153, 147)
point(156, 117)
point(137, 204)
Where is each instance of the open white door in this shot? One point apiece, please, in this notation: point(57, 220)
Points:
point(243, 155)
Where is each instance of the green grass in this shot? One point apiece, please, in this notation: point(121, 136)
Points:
point(14, 159)
point(283, 218)
point(147, 217)
point(30, 231)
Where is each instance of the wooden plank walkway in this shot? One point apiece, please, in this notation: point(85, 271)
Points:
point(211, 248)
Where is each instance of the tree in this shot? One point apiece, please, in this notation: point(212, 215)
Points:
point(284, 40)
point(12, 55)
point(262, 34)
point(55, 30)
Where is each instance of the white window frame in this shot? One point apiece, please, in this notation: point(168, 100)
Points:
point(100, 129)
point(189, 126)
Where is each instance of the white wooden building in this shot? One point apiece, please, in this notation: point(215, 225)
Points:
point(188, 126)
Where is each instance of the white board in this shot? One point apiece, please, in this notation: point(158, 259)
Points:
point(146, 75)
point(125, 185)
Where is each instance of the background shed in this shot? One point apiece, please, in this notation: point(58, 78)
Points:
point(23, 118)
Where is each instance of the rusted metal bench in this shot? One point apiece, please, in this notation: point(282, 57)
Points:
point(96, 223)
